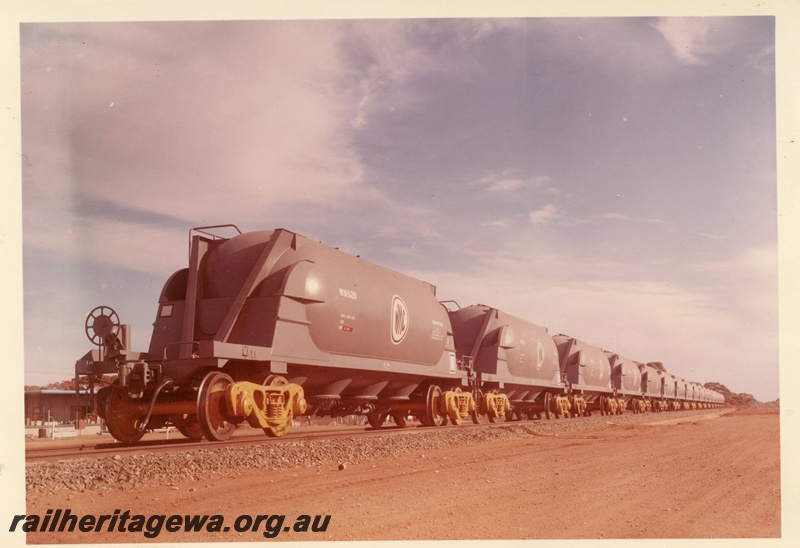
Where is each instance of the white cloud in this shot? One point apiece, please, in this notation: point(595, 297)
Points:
point(394, 52)
point(254, 119)
point(551, 191)
point(498, 223)
point(698, 330)
point(506, 185)
point(615, 216)
point(611, 216)
point(510, 179)
point(548, 213)
point(694, 39)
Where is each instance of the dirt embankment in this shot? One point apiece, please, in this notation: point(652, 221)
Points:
point(699, 476)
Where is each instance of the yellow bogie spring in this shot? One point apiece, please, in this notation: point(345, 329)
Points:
point(458, 405)
point(562, 406)
point(270, 407)
point(579, 405)
point(496, 405)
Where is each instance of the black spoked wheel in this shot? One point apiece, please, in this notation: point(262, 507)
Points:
point(101, 322)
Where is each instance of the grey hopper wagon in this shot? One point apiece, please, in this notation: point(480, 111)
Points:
point(510, 357)
point(587, 371)
point(269, 325)
point(321, 331)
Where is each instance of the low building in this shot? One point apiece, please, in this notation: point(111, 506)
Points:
point(60, 406)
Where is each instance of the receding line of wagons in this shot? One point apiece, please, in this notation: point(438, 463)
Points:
point(269, 325)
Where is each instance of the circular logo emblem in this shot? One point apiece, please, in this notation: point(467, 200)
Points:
point(539, 354)
point(399, 320)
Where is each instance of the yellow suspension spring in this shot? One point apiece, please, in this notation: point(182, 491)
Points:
point(275, 406)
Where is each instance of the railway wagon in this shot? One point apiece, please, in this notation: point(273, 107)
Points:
point(587, 372)
point(651, 387)
point(700, 395)
point(668, 390)
point(691, 394)
point(267, 325)
point(515, 363)
point(680, 394)
point(626, 380)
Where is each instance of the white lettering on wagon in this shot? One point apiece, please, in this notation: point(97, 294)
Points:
point(437, 332)
point(348, 294)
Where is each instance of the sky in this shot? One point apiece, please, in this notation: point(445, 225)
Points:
point(611, 178)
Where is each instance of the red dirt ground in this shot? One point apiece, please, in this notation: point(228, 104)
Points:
point(710, 476)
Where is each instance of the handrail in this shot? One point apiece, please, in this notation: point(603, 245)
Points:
point(204, 230)
point(445, 303)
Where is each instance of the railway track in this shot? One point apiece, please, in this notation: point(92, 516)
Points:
point(246, 437)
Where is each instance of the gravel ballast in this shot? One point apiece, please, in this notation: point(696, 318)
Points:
point(132, 471)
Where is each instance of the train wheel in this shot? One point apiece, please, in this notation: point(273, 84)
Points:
point(190, 428)
point(122, 417)
point(274, 380)
point(433, 402)
point(602, 402)
point(211, 407)
point(376, 419)
point(100, 400)
point(548, 406)
point(400, 419)
point(532, 415)
point(475, 414)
